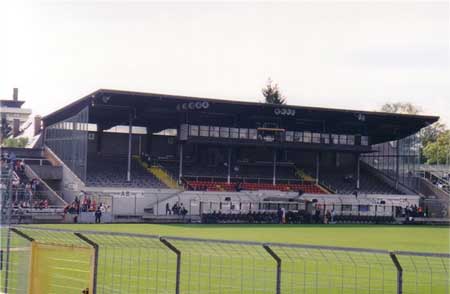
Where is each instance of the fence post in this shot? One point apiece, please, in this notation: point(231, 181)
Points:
point(178, 270)
point(278, 260)
point(399, 272)
point(95, 269)
point(8, 248)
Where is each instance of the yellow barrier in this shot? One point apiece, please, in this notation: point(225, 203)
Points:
point(60, 269)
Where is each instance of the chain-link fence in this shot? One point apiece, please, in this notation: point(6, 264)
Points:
point(61, 261)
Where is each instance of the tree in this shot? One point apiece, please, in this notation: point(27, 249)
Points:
point(438, 152)
point(401, 107)
point(5, 129)
point(427, 135)
point(15, 142)
point(272, 93)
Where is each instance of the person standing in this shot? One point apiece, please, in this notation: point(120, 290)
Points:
point(98, 215)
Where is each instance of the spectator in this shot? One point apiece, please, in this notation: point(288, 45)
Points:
point(98, 215)
point(168, 211)
point(328, 217)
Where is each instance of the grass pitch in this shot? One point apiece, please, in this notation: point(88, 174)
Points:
point(140, 265)
point(387, 237)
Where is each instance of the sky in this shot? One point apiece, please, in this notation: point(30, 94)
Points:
point(353, 55)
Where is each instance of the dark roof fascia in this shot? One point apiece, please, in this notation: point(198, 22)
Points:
point(430, 118)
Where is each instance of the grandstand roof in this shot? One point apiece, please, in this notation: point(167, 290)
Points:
point(109, 108)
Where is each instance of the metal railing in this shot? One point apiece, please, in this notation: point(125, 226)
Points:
point(137, 263)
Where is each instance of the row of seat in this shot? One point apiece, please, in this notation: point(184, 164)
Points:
point(224, 186)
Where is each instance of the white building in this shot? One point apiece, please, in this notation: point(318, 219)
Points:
point(13, 115)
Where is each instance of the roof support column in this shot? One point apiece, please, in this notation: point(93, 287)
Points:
point(130, 133)
point(317, 167)
point(181, 163)
point(358, 170)
point(397, 164)
point(274, 179)
point(229, 165)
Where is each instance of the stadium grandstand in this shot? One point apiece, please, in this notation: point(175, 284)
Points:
point(168, 158)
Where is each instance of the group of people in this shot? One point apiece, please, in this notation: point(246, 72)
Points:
point(258, 217)
point(411, 211)
point(23, 189)
point(177, 209)
point(86, 204)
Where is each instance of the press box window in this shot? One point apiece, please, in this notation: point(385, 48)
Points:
point(204, 131)
point(193, 130)
point(289, 136)
point(307, 137)
point(234, 133)
point(224, 132)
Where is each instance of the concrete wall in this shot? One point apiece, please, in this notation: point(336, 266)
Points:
point(47, 172)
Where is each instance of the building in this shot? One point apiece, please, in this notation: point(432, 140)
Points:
point(13, 116)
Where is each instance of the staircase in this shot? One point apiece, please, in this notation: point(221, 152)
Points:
point(302, 175)
point(160, 174)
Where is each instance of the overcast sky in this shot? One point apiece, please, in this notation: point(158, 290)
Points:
point(354, 55)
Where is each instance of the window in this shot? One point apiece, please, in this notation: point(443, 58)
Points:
point(224, 132)
point(316, 138)
point(243, 133)
point(289, 136)
point(214, 131)
point(204, 131)
point(335, 139)
point(193, 130)
point(351, 140)
point(364, 140)
point(298, 136)
point(234, 133)
point(252, 134)
point(342, 139)
point(325, 138)
point(307, 137)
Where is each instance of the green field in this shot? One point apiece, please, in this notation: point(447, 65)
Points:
point(135, 265)
point(412, 238)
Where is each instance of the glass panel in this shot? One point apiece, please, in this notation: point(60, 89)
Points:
point(234, 133)
point(70, 143)
point(335, 139)
point(325, 138)
point(298, 136)
point(364, 140)
point(224, 132)
point(204, 131)
point(342, 139)
point(214, 132)
point(307, 137)
point(252, 134)
point(351, 140)
point(316, 138)
point(193, 130)
point(243, 133)
point(289, 136)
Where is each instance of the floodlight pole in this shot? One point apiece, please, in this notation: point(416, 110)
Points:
point(130, 130)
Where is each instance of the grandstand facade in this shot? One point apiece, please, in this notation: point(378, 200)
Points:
point(141, 152)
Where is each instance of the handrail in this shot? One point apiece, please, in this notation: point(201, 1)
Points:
point(52, 192)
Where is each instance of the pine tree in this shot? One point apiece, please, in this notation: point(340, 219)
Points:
point(272, 93)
